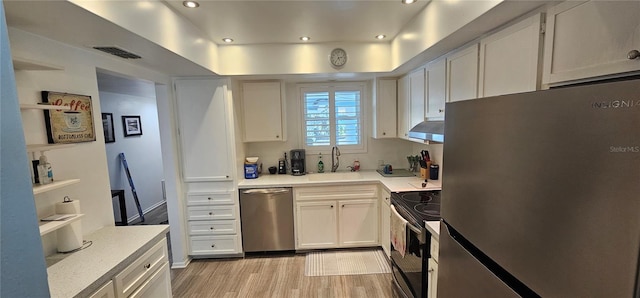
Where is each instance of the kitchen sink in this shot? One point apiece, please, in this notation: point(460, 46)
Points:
point(339, 176)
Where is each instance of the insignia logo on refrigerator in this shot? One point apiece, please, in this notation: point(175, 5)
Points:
point(615, 104)
point(624, 149)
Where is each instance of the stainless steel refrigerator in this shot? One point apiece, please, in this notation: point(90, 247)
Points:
point(541, 194)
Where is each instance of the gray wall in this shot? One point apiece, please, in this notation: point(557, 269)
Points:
point(22, 266)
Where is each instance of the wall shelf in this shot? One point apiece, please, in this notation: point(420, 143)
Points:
point(43, 107)
point(47, 147)
point(26, 64)
point(50, 226)
point(38, 189)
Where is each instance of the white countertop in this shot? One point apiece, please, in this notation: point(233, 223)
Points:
point(113, 248)
point(392, 184)
point(434, 228)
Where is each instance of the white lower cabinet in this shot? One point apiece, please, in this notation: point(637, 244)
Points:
point(137, 278)
point(385, 223)
point(316, 225)
point(332, 217)
point(432, 270)
point(213, 223)
point(106, 291)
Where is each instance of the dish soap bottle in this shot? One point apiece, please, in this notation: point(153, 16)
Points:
point(320, 163)
point(45, 173)
point(356, 165)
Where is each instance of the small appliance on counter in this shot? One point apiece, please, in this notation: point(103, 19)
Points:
point(282, 164)
point(297, 162)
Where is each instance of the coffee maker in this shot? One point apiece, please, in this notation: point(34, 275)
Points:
point(297, 162)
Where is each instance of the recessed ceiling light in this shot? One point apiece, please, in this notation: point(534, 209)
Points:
point(305, 38)
point(227, 40)
point(381, 36)
point(190, 4)
point(408, 1)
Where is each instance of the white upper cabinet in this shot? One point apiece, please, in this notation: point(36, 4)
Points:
point(403, 107)
point(590, 39)
point(204, 129)
point(384, 106)
point(435, 88)
point(416, 89)
point(509, 59)
point(462, 74)
point(263, 108)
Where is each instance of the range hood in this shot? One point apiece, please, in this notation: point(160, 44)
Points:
point(428, 131)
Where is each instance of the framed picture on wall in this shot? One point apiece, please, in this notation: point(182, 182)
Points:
point(107, 126)
point(132, 126)
point(74, 125)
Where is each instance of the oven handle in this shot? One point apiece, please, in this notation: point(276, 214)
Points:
point(416, 230)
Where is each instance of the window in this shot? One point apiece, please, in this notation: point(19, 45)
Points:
point(333, 116)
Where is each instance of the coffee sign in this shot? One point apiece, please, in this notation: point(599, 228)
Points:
point(68, 126)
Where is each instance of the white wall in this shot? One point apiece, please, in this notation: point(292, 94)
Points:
point(392, 151)
point(86, 161)
point(143, 153)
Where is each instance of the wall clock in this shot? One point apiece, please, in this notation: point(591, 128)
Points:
point(338, 58)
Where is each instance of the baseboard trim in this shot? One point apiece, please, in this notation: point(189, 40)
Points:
point(181, 265)
point(154, 206)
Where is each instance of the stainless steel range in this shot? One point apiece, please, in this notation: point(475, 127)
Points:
point(410, 271)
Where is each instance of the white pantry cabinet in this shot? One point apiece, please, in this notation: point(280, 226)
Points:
point(403, 108)
point(586, 39)
point(263, 109)
point(336, 216)
point(435, 88)
point(416, 90)
point(462, 74)
point(384, 106)
point(204, 129)
point(509, 59)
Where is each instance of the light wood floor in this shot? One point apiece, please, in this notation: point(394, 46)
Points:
point(272, 276)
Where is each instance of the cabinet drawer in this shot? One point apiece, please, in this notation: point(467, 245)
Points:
point(105, 291)
point(140, 270)
point(157, 286)
point(208, 245)
point(434, 248)
point(211, 212)
point(209, 198)
point(212, 227)
point(341, 192)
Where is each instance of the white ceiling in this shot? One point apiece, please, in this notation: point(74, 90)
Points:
point(272, 22)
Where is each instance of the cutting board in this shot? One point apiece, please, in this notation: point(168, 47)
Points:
point(397, 173)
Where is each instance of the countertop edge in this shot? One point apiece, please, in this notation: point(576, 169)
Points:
point(67, 267)
point(434, 228)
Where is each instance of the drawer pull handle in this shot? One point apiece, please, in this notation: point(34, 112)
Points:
point(210, 213)
point(342, 206)
point(431, 270)
point(213, 245)
point(209, 198)
point(633, 54)
point(147, 266)
point(212, 228)
point(331, 206)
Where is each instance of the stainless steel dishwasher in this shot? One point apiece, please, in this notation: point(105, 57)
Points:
point(267, 219)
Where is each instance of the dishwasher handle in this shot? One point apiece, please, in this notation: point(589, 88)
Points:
point(266, 191)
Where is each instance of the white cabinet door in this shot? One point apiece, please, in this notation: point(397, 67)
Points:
point(358, 222)
point(384, 106)
point(316, 225)
point(416, 89)
point(462, 74)
point(158, 285)
point(509, 59)
point(385, 223)
point(263, 109)
point(403, 108)
point(432, 276)
point(106, 291)
point(204, 129)
point(435, 88)
point(589, 39)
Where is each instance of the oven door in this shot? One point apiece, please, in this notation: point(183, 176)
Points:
point(409, 271)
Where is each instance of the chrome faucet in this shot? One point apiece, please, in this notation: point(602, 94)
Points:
point(335, 161)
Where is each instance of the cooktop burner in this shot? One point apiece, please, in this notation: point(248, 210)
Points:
point(418, 206)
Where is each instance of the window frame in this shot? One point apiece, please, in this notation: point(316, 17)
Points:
point(332, 88)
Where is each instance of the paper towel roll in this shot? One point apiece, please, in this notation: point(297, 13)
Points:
point(69, 237)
